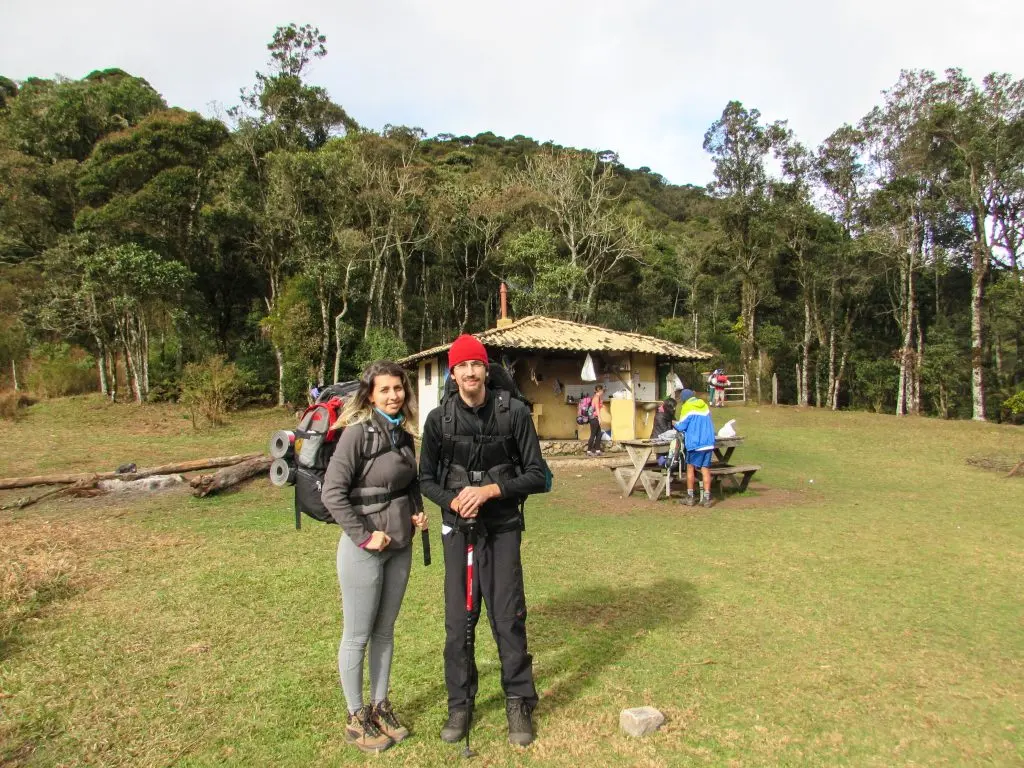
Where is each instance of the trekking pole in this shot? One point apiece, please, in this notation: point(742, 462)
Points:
point(470, 530)
point(425, 537)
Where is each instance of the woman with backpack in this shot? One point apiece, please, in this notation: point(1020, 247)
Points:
point(594, 444)
point(371, 489)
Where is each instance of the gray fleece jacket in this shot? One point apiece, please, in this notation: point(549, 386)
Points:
point(350, 477)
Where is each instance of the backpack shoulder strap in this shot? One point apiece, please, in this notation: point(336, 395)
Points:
point(374, 445)
point(448, 432)
point(503, 420)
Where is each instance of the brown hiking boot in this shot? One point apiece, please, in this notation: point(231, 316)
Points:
point(363, 732)
point(384, 718)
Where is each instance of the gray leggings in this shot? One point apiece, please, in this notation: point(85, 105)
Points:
point(372, 588)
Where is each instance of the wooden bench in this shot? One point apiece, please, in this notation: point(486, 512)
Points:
point(724, 471)
point(655, 481)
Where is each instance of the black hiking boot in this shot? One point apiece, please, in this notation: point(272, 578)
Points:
point(520, 722)
point(688, 501)
point(455, 729)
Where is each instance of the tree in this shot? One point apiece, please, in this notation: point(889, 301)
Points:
point(976, 136)
point(739, 144)
point(576, 191)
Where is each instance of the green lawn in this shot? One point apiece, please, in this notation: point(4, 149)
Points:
point(872, 617)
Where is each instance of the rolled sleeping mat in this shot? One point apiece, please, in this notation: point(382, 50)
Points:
point(282, 473)
point(282, 444)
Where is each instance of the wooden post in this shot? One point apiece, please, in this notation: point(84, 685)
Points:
point(775, 389)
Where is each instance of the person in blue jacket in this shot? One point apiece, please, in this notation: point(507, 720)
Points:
point(699, 439)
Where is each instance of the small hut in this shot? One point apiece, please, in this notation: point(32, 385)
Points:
point(546, 357)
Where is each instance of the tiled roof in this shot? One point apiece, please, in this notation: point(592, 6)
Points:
point(537, 332)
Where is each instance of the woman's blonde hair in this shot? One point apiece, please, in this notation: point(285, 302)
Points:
point(359, 408)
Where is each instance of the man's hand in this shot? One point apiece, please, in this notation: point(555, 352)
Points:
point(420, 520)
point(472, 497)
point(378, 541)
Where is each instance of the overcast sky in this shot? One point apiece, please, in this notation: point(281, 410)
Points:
point(642, 77)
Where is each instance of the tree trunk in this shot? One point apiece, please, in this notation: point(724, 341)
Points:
point(325, 329)
point(800, 393)
point(801, 383)
point(839, 380)
point(337, 345)
point(817, 383)
point(400, 295)
point(206, 485)
point(981, 263)
point(906, 352)
point(977, 340)
point(164, 469)
point(279, 357)
point(370, 294)
point(131, 367)
point(831, 387)
point(759, 374)
point(14, 375)
point(915, 403)
point(101, 364)
point(144, 354)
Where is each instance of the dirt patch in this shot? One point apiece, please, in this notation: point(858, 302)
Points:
point(1002, 464)
point(592, 487)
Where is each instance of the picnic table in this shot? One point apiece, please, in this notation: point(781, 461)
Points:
point(658, 481)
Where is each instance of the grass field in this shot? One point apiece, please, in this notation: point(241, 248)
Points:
point(873, 617)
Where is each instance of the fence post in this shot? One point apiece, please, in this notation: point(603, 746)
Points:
point(775, 389)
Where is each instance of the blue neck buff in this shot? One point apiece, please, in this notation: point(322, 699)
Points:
point(393, 420)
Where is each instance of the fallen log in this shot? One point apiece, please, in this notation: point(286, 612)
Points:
point(205, 485)
point(166, 469)
point(87, 483)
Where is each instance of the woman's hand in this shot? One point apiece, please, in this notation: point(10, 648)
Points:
point(378, 541)
point(420, 520)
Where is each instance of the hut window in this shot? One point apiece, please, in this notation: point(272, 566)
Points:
point(427, 371)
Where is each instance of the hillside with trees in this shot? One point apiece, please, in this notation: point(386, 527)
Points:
point(879, 270)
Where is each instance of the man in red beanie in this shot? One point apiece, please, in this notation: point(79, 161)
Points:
point(479, 460)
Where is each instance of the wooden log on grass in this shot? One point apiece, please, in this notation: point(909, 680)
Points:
point(85, 486)
point(165, 469)
point(205, 485)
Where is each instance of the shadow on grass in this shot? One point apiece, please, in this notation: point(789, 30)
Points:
point(14, 614)
point(579, 633)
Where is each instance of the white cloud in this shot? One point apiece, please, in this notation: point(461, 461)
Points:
point(645, 78)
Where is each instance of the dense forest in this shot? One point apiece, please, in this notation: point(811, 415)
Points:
point(881, 269)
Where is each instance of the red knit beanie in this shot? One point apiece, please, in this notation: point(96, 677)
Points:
point(465, 348)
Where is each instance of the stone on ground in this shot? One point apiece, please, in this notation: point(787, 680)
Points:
point(639, 721)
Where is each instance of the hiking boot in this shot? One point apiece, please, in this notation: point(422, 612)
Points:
point(520, 722)
point(384, 718)
point(707, 502)
point(688, 501)
point(455, 729)
point(363, 732)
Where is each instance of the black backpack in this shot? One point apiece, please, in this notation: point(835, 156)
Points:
point(503, 388)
